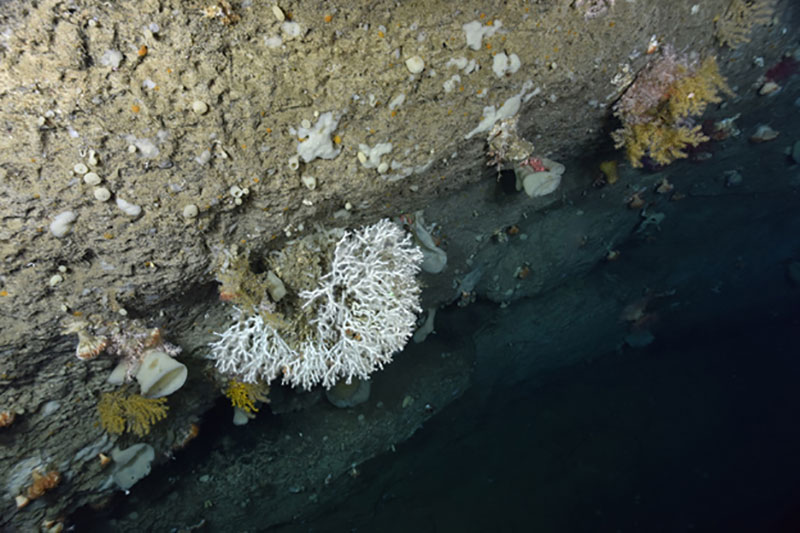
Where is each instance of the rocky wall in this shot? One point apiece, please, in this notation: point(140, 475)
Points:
point(142, 139)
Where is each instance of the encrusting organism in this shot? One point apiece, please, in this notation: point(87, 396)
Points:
point(41, 484)
point(7, 418)
point(130, 340)
point(593, 8)
point(89, 346)
point(133, 413)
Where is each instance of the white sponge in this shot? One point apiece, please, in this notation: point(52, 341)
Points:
point(160, 375)
point(317, 139)
point(131, 464)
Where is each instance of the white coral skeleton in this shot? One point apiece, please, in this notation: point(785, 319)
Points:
point(364, 310)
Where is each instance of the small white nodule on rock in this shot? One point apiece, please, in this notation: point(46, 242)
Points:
point(111, 58)
point(310, 182)
point(147, 148)
point(101, 194)
point(92, 178)
point(199, 107)
point(62, 223)
point(415, 64)
point(132, 210)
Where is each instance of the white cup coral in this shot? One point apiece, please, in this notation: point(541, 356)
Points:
point(160, 375)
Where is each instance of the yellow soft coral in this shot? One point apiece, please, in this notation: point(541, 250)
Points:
point(733, 27)
point(662, 143)
point(133, 413)
point(245, 395)
point(689, 96)
point(663, 131)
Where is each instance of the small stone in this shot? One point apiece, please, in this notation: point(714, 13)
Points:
point(383, 167)
point(290, 30)
point(92, 178)
point(81, 169)
point(310, 182)
point(415, 64)
point(275, 286)
point(769, 87)
point(147, 148)
point(132, 210)
point(102, 194)
point(203, 158)
point(732, 178)
point(21, 501)
point(278, 12)
point(62, 223)
point(199, 107)
point(111, 58)
point(131, 148)
point(764, 134)
point(190, 211)
point(55, 280)
point(236, 191)
point(93, 158)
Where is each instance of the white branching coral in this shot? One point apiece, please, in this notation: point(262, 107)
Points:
point(361, 311)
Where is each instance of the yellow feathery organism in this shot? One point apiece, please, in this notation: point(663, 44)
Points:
point(245, 395)
point(662, 143)
point(689, 96)
point(663, 131)
point(733, 27)
point(133, 413)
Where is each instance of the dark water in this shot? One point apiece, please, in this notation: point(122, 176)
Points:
point(697, 433)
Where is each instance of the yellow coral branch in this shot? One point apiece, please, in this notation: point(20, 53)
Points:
point(663, 131)
point(134, 413)
point(245, 395)
point(733, 27)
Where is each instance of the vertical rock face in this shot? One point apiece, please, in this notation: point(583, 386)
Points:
point(203, 128)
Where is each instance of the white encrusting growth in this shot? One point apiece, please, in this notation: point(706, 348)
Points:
point(474, 32)
point(316, 140)
point(62, 223)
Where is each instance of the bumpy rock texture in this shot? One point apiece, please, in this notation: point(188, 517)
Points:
point(175, 103)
